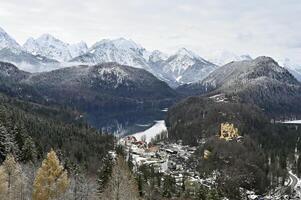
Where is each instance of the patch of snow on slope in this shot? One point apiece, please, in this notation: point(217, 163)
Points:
point(179, 78)
point(293, 122)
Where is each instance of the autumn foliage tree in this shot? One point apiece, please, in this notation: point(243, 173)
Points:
point(51, 180)
point(11, 179)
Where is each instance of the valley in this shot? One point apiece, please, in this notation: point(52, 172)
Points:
point(121, 122)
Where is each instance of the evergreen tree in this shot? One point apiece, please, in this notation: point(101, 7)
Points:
point(168, 186)
point(8, 144)
point(213, 195)
point(51, 180)
point(202, 193)
point(104, 174)
point(299, 167)
point(29, 152)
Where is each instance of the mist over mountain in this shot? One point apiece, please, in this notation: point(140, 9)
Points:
point(224, 57)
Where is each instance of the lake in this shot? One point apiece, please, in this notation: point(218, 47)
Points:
point(127, 122)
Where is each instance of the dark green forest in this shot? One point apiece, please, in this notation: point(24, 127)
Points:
point(258, 162)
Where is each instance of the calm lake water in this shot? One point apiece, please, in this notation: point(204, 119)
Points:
point(127, 122)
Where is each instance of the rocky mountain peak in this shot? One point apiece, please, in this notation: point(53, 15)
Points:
point(53, 48)
point(186, 52)
point(6, 41)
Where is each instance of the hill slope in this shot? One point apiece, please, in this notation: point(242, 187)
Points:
point(260, 81)
point(87, 88)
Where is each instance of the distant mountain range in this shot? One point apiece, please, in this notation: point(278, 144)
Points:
point(47, 53)
point(111, 86)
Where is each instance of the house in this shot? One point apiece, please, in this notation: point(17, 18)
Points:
point(207, 154)
point(228, 132)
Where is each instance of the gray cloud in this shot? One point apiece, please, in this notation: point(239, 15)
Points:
point(258, 27)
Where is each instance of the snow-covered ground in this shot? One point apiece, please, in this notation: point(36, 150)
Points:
point(295, 183)
point(293, 122)
point(164, 110)
point(150, 133)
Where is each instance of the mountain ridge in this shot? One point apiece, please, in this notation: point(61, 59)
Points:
point(51, 47)
point(260, 81)
point(47, 53)
point(108, 85)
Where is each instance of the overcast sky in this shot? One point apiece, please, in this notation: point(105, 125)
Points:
point(255, 27)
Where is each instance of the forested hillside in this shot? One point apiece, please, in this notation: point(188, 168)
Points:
point(260, 81)
point(258, 161)
point(29, 131)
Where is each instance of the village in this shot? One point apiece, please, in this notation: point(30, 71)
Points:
point(175, 159)
point(178, 161)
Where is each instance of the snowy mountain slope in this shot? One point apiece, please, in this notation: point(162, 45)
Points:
point(122, 51)
point(11, 51)
point(182, 67)
point(185, 67)
point(157, 56)
point(294, 68)
point(260, 81)
point(241, 74)
point(77, 49)
point(27, 61)
point(104, 86)
point(7, 42)
point(53, 48)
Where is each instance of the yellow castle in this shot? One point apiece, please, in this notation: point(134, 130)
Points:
point(228, 131)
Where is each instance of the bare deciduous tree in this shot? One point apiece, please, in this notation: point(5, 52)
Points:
point(122, 185)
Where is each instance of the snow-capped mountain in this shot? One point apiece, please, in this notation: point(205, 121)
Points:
point(122, 51)
point(77, 49)
point(240, 74)
point(224, 57)
point(157, 56)
point(292, 67)
point(182, 67)
point(12, 52)
point(53, 48)
point(7, 42)
point(47, 53)
point(185, 66)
